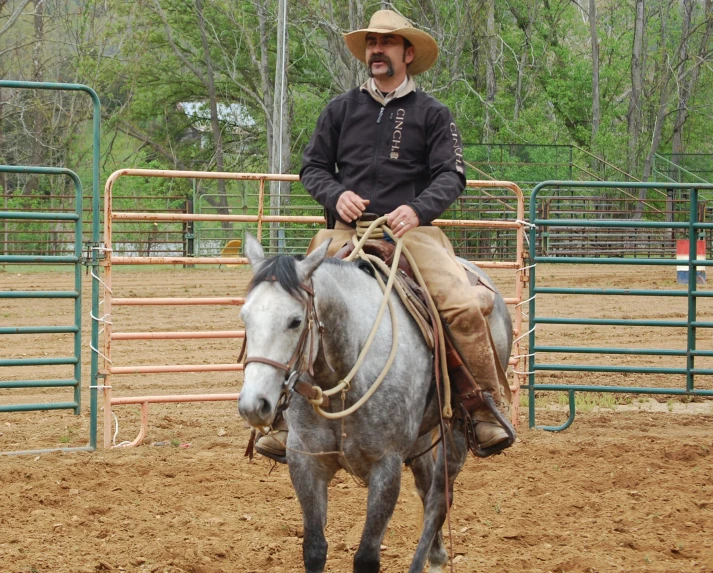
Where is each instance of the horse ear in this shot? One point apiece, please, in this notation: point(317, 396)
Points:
point(309, 264)
point(253, 250)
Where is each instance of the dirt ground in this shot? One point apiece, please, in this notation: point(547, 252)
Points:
point(628, 488)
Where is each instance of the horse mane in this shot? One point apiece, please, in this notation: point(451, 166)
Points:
point(282, 269)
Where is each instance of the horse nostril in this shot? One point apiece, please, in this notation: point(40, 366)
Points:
point(265, 408)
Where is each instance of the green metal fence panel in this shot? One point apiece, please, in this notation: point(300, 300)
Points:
point(693, 229)
point(75, 329)
point(95, 248)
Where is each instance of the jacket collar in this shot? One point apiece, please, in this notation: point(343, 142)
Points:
point(406, 87)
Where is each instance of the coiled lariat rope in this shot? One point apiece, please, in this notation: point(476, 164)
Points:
point(377, 229)
point(345, 384)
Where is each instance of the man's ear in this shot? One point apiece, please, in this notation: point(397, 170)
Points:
point(409, 55)
point(309, 264)
point(253, 251)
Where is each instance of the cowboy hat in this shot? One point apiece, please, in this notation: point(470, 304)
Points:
point(425, 49)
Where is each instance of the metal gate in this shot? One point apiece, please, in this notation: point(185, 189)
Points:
point(76, 260)
point(259, 219)
point(690, 229)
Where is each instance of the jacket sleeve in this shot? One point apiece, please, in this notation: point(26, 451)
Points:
point(318, 172)
point(445, 159)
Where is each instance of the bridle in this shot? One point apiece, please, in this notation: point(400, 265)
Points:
point(296, 366)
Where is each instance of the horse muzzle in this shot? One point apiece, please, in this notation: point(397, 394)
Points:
point(257, 410)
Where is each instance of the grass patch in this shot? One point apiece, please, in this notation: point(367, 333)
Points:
point(68, 437)
point(584, 401)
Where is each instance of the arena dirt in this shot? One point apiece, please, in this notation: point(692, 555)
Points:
point(624, 491)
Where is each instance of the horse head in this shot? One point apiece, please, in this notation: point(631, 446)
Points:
point(277, 322)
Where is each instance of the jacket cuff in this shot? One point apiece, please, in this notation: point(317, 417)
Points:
point(418, 212)
point(335, 200)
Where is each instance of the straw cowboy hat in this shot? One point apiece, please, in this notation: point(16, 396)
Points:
point(425, 48)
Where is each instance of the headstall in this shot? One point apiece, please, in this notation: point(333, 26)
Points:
point(297, 366)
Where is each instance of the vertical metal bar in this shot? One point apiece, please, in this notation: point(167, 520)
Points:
point(5, 249)
point(532, 321)
point(108, 190)
point(260, 208)
point(79, 209)
point(196, 224)
point(692, 280)
point(96, 199)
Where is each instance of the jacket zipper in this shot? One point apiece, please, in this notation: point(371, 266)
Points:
point(376, 152)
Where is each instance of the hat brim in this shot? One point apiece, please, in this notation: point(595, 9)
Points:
point(425, 47)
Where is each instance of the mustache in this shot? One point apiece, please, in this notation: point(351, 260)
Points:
point(384, 59)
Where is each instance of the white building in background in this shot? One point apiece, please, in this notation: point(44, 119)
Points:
point(234, 115)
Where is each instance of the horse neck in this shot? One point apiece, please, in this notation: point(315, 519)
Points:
point(345, 299)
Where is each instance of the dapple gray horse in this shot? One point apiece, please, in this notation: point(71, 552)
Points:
point(376, 440)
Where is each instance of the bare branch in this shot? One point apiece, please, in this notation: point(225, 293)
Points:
point(14, 17)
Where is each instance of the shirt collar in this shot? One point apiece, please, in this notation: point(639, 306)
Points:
point(406, 87)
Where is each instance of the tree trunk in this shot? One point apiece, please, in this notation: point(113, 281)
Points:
point(38, 118)
point(596, 106)
point(687, 86)
point(490, 61)
point(662, 107)
point(518, 85)
point(264, 66)
point(633, 116)
point(356, 21)
point(280, 160)
point(525, 25)
point(214, 120)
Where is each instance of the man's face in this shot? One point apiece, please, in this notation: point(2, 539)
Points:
point(386, 56)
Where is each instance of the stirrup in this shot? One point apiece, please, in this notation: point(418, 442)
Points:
point(506, 425)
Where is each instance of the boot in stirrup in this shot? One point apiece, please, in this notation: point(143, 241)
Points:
point(273, 445)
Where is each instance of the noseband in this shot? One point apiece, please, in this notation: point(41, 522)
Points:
point(296, 366)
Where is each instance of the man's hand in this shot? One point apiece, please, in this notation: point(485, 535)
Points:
point(350, 206)
point(402, 219)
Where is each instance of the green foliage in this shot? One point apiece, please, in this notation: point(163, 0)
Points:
point(147, 57)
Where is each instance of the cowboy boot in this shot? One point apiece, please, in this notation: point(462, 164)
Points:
point(490, 434)
point(273, 445)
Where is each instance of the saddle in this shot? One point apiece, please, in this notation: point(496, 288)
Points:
point(467, 396)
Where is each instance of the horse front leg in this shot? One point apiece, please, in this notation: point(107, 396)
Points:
point(422, 468)
point(310, 481)
point(435, 504)
point(384, 485)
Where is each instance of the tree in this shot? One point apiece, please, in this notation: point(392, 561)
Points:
point(596, 104)
point(633, 116)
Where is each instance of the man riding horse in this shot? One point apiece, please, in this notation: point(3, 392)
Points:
point(388, 148)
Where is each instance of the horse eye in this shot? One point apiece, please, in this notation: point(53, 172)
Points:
point(295, 323)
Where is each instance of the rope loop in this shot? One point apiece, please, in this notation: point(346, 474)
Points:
point(317, 401)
